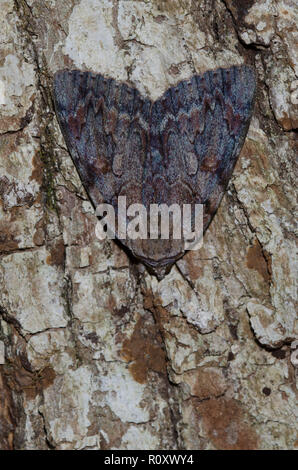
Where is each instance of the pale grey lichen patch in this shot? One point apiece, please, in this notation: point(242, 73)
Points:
point(269, 222)
point(270, 327)
point(123, 395)
point(286, 19)
point(282, 96)
point(51, 347)
point(73, 392)
point(91, 41)
point(139, 438)
point(17, 79)
point(32, 291)
point(96, 295)
point(201, 310)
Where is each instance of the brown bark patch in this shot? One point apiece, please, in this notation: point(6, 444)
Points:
point(227, 425)
point(145, 352)
point(22, 379)
point(287, 122)
point(39, 234)
point(37, 172)
point(33, 384)
point(57, 252)
point(7, 243)
point(206, 382)
point(47, 377)
point(194, 265)
point(256, 260)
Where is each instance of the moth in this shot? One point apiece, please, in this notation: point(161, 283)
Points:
point(181, 148)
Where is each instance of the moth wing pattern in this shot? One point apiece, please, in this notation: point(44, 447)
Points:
point(203, 126)
point(104, 124)
point(182, 148)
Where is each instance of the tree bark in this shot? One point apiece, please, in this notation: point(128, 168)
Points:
point(94, 353)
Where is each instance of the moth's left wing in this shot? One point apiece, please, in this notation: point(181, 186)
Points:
point(104, 124)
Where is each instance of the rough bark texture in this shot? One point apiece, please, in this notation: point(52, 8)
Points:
point(94, 354)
